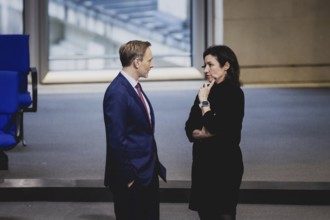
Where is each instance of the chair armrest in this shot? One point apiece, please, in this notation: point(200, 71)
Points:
point(34, 77)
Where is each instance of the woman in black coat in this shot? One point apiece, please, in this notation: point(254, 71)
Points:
point(214, 126)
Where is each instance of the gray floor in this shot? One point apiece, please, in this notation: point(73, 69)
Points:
point(169, 211)
point(285, 137)
point(285, 134)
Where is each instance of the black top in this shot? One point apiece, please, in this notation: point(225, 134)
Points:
point(219, 156)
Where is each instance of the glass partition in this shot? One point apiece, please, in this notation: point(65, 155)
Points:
point(11, 16)
point(86, 34)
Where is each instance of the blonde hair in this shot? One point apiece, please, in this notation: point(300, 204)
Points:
point(131, 50)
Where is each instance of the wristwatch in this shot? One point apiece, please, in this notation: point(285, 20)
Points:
point(204, 104)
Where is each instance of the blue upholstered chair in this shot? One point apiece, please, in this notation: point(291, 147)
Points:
point(9, 108)
point(15, 57)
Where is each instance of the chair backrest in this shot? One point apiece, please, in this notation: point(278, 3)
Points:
point(15, 56)
point(14, 52)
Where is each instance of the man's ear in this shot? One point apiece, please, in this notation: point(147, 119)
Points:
point(136, 63)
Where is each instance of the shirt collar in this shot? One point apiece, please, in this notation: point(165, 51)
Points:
point(130, 79)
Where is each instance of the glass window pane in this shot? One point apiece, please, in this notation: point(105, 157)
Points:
point(85, 34)
point(11, 16)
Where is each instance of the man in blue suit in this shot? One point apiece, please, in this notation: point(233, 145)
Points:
point(132, 164)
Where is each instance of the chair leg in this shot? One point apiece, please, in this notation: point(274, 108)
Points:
point(3, 161)
point(22, 131)
point(20, 128)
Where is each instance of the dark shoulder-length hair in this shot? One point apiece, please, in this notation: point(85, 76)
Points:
point(225, 54)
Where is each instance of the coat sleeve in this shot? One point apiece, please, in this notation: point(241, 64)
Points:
point(115, 109)
point(225, 118)
point(194, 120)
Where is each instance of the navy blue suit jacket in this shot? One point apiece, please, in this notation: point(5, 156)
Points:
point(131, 146)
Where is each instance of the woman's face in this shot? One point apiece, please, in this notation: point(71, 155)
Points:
point(213, 70)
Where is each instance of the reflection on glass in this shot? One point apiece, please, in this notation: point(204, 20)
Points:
point(86, 34)
point(11, 16)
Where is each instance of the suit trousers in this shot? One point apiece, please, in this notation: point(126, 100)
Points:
point(137, 202)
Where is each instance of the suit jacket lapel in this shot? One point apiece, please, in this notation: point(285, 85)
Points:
point(151, 109)
point(136, 97)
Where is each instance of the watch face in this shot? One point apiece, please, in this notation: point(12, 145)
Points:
point(205, 103)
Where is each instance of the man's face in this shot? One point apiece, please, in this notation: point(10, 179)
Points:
point(145, 64)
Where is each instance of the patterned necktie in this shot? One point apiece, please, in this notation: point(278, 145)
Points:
point(138, 87)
